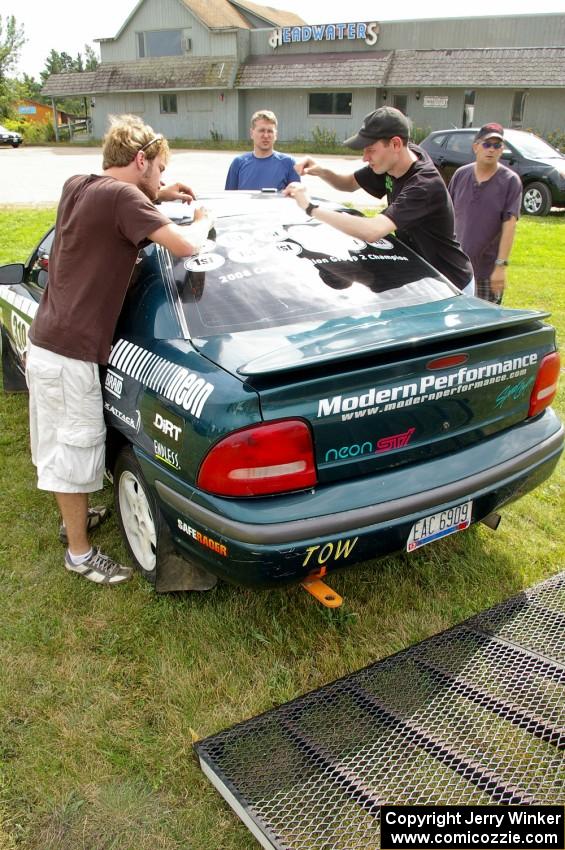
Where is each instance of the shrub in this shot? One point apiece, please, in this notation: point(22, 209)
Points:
point(324, 138)
point(420, 133)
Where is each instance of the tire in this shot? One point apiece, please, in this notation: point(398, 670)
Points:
point(536, 199)
point(138, 514)
point(12, 372)
point(147, 535)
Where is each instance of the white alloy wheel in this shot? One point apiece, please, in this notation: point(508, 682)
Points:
point(137, 520)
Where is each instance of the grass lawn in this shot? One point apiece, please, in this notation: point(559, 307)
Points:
point(103, 691)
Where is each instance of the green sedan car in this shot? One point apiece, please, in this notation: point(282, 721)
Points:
point(292, 400)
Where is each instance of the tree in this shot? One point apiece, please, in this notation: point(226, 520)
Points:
point(91, 59)
point(11, 40)
point(29, 88)
point(64, 63)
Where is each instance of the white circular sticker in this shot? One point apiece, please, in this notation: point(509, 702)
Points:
point(208, 246)
point(234, 238)
point(204, 263)
point(277, 234)
point(383, 244)
point(323, 239)
point(288, 248)
point(247, 254)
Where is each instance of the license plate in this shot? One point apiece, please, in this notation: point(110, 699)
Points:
point(439, 525)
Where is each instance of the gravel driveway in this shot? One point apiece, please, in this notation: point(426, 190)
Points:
point(35, 175)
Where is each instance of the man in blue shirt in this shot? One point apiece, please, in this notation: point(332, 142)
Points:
point(263, 167)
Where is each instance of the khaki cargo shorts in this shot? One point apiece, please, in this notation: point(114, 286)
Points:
point(67, 429)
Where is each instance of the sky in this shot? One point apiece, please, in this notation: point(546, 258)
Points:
point(65, 26)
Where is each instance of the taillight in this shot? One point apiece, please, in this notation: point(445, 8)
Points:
point(545, 387)
point(273, 457)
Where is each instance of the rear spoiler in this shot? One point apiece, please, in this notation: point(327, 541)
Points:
point(356, 339)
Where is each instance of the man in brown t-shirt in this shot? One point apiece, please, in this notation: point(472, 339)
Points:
point(102, 222)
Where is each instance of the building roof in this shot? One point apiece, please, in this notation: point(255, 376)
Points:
point(315, 70)
point(479, 68)
point(70, 85)
point(223, 14)
point(272, 17)
point(530, 67)
point(145, 75)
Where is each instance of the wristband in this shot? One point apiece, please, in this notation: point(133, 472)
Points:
point(311, 207)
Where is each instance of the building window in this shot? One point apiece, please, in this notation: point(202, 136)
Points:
point(168, 104)
point(518, 104)
point(468, 108)
point(400, 101)
point(160, 43)
point(330, 103)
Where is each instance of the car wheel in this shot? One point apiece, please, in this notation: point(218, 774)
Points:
point(536, 199)
point(138, 515)
point(147, 535)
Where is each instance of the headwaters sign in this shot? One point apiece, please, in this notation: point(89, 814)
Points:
point(325, 32)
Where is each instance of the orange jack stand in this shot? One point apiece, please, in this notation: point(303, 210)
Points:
point(322, 592)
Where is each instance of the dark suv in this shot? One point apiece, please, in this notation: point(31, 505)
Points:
point(540, 167)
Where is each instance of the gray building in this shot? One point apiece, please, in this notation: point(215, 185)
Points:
point(196, 69)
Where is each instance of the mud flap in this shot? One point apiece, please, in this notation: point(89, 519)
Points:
point(14, 378)
point(175, 572)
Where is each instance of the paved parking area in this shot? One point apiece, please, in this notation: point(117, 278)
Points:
point(35, 175)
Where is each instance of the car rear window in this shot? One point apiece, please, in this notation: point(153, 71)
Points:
point(256, 273)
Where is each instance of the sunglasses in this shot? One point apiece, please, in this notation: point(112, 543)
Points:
point(150, 142)
point(487, 145)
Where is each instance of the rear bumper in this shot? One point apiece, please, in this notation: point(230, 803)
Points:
point(242, 542)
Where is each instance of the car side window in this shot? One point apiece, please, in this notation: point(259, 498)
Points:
point(38, 267)
point(460, 143)
point(437, 141)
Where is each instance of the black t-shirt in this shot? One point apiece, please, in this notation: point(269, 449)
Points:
point(421, 209)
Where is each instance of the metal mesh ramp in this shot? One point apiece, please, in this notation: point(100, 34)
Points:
point(475, 715)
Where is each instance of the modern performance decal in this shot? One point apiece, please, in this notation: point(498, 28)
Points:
point(185, 389)
point(428, 388)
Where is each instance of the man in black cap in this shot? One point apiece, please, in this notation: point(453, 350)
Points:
point(486, 198)
point(419, 207)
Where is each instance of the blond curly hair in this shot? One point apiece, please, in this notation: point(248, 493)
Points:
point(126, 135)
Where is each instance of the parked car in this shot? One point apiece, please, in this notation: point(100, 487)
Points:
point(541, 167)
point(9, 137)
point(293, 400)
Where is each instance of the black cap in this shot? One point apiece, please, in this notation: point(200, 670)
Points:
point(383, 123)
point(490, 131)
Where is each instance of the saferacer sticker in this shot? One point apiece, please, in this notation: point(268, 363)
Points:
point(203, 539)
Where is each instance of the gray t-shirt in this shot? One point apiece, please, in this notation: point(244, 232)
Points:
point(480, 211)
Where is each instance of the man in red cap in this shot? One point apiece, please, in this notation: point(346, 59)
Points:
point(486, 198)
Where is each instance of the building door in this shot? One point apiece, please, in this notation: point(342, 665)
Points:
point(468, 108)
point(400, 101)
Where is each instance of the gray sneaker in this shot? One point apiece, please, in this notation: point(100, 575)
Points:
point(99, 568)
